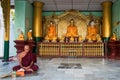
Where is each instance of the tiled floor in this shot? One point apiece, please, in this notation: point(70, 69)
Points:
point(91, 69)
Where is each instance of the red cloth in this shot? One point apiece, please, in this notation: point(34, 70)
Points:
point(26, 61)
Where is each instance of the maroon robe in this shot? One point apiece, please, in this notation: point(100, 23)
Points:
point(26, 61)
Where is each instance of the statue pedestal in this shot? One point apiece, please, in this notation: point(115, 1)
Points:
point(118, 50)
point(21, 43)
point(112, 49)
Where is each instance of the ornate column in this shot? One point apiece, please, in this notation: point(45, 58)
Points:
point(6, 14)
point(37, 23)
point(106, 27)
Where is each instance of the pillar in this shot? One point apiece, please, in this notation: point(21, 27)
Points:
point(37, 21)
point(106, 26)
point(6, 15)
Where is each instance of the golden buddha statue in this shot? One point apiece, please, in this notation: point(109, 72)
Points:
point(113, 37)
point(21, 36)
point(99, 38)
point(72, 30)
point(29, 35)
point(51, 33)
point(72, 39)
point(89, 40)
point(92, 32)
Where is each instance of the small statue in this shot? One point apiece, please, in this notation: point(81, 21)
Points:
point(80, 38)
point(21, 36)
point(113, 37)
point(72, 39)
point(90, 40)
point(29, 35)
point(99, 38)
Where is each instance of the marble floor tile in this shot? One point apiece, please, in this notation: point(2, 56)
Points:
point(91, 69)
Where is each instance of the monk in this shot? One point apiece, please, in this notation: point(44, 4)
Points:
point(51, 32)
point(92, 32)
point(72, 30)
point(26, 61)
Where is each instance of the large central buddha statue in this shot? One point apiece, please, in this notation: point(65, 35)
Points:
point(51, 32)
point(72, 30)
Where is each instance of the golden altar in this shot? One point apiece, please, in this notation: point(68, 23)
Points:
point(62, 49)
point(67, 36)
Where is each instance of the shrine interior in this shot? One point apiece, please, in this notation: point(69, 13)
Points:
point(71, 39)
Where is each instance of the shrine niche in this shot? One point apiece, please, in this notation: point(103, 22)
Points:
point(62, 21)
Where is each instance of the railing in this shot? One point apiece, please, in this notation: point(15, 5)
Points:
point(85, 49)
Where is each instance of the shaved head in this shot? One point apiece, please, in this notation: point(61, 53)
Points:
point(26, 48)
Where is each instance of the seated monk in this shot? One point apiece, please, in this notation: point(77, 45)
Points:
point(51, 32)
point(92, 32)
point(26, 61)
point(72, 30)
point(21, 36)
point(113, 37)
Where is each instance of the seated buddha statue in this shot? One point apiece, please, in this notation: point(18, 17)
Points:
point(92, 31)
point(29, 35)
point(113, 37)
point(21, 36)
point(51, 33)
point(72, 30)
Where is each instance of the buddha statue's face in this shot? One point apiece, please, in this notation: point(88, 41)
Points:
point(30, 30)
point(51, 22)
point(71, 22)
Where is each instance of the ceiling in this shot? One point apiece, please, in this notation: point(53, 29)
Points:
point(61, 5)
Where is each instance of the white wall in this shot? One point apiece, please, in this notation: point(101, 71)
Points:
point(1, 33)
